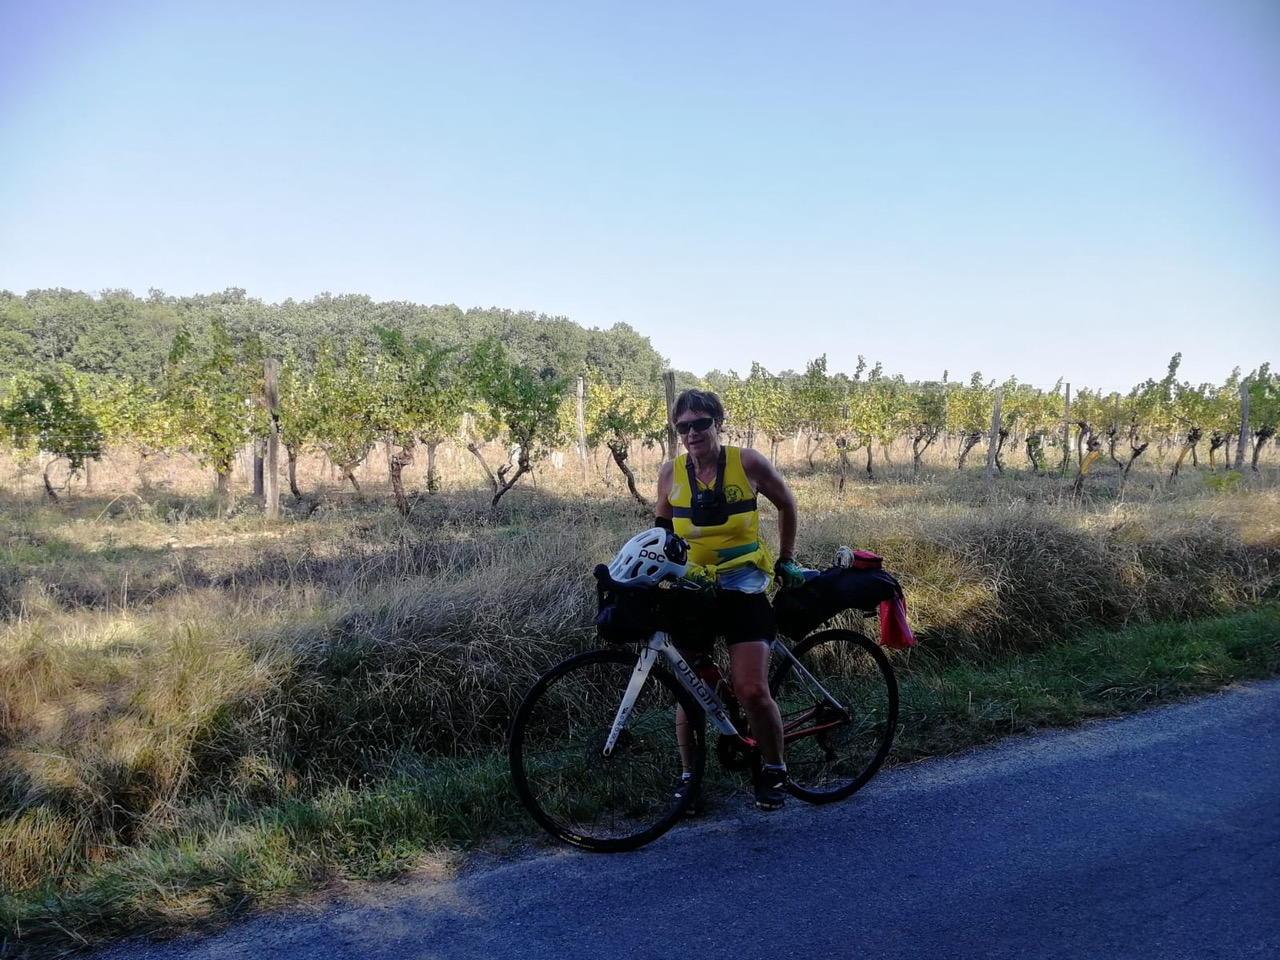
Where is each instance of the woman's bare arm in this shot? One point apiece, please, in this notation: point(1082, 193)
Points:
point(765, 478)
point(662, 508)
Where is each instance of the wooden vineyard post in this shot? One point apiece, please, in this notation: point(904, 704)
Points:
point(271, 485)
point(994, 440)
point(582, 428)
point(257, 468)
point(1066, 431)
point(669, 384)
point(1244, 424)
point(1114, 432)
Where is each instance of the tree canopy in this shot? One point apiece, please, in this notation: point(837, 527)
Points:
point(122, 335)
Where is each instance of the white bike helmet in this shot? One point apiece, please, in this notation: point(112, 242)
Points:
point(649, 557)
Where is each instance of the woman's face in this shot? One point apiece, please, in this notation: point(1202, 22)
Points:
point(698, 431)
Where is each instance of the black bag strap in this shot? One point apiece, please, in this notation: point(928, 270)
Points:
point(720, 468)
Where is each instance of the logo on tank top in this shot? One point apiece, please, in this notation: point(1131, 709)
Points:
point(733, 493)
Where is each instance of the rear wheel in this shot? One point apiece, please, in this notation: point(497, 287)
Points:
point(832, 749)
point(581, 796)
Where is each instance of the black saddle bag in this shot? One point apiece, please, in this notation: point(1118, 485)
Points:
point(802, 609)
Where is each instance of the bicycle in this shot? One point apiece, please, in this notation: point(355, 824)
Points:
point(598, 769)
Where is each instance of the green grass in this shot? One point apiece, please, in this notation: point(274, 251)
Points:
point(951, 706)
point(218, 864)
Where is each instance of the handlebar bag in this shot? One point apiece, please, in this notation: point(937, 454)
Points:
point(632, 616)
point(625, 616)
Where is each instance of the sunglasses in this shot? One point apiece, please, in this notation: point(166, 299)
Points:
point(702, 423)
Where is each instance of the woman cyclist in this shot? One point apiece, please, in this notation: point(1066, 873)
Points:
point(708, 496)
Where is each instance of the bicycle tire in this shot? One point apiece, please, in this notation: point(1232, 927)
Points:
point(844, 751)
point(561, 775)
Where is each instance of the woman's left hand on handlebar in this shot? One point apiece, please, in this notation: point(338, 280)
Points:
point(788, 572)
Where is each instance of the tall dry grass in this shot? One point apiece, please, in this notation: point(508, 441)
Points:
point(165, 674)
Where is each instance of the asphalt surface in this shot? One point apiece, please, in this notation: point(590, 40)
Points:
point(1157, 835)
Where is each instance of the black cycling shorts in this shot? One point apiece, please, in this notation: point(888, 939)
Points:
point(735, 616)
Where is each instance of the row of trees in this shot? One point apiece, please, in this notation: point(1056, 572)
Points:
point(412, 394)
point(406, 393)
point(869, 409)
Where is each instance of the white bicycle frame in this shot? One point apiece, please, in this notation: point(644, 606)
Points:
point(660, 643)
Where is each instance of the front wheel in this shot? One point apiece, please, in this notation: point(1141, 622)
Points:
point(561, 774)
point(833, 748)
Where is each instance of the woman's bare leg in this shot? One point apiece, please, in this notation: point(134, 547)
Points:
point(749, 663)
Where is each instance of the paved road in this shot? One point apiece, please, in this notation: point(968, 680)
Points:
point(1153, 836)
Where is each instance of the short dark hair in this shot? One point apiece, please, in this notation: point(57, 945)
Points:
point(698, 401)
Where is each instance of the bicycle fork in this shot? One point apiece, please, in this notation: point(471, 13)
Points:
point(638, 677)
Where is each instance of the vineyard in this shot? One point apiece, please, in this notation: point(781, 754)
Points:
point(513, 390)
point(204, 706)
point(399, 420)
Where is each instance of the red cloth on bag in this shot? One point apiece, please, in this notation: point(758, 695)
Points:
point(895, 633)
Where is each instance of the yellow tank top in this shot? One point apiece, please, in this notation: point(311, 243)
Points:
point(732, 544)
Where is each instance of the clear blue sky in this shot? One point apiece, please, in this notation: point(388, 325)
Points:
point(1070, 189)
